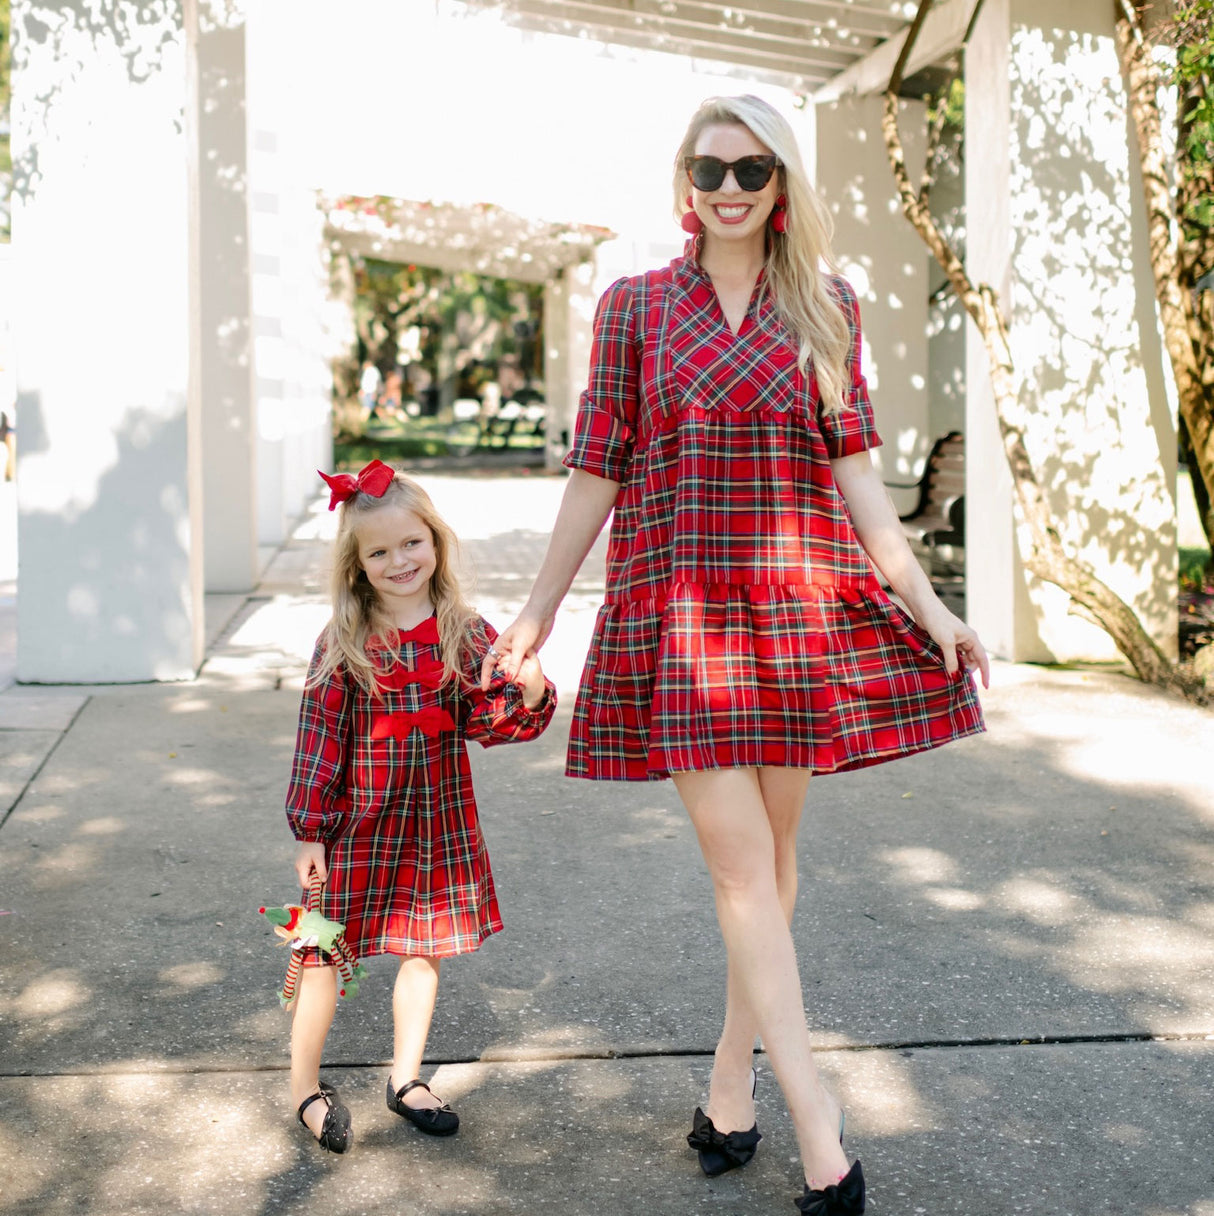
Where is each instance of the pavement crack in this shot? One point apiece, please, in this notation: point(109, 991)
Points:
point(523, 1056)
point(54, 747)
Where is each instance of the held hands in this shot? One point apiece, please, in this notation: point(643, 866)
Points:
point(530, 678)
point(514, 654)
point(958, 641)
point(309, 856)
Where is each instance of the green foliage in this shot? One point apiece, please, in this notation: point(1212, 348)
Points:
point(1195, 568)
point(1192, 34)
point(954, 103)
point(466, 322)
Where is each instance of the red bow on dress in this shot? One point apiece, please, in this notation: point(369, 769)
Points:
point(401, 677)
point(429, 721)
point(427, 631)
point(373, 479)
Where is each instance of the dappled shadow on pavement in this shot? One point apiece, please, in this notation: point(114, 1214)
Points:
point(1049, 880)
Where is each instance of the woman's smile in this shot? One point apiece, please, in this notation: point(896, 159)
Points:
point(731, 213)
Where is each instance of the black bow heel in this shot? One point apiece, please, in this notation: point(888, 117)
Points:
point(844, 1198)
point(722, 1151)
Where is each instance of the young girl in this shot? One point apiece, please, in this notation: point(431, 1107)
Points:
point(381, 794)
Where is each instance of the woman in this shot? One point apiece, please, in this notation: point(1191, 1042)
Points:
point(745, 642)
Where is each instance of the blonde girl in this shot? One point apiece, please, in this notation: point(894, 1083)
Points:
point(380, 798)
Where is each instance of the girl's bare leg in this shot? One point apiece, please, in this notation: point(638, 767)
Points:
point(413, 999)
point(314, 1009)
point(730, 817)
point(729, 1099)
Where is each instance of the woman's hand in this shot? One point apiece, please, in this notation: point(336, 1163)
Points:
point(520, 640)
point(309, 856)
point(958, 641)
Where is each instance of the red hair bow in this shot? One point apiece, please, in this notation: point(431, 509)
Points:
point(373, 479)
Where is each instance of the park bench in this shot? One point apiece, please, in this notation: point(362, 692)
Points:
point(936, 524)
point(514, 419)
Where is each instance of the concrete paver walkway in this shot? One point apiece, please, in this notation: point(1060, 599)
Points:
point(1006, 949)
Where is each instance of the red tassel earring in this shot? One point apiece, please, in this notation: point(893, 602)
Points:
point(691, 223)
point(779, 216)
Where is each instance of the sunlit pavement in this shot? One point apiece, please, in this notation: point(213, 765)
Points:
point(1007, 951)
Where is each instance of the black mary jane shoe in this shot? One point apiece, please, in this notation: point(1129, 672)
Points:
point(845, 1198)
point(434, 1121)
point(723, 1151)
point(336, 1135)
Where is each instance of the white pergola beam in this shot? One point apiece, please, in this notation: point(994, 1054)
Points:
point(787, 24)
point(796, 62)
point(942, 33)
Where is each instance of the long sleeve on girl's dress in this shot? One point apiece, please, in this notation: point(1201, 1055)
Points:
point(499, 715)
point(317, 798)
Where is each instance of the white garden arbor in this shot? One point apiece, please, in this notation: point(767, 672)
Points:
point(174, 399)
point(491, 241)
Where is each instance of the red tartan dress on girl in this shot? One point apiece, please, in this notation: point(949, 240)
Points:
point(385, 785)
point(743, 623)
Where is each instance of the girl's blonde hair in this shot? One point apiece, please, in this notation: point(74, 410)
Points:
point(358, 615)
point(802, 294)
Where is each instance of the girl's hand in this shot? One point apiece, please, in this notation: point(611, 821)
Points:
point(309, 856)
point(512, 647)
point(958, 641)
point(530, 679)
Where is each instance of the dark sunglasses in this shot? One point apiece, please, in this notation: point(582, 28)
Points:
point(750, 172)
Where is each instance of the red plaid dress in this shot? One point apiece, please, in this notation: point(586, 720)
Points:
point(743, 623)
point(385, 784)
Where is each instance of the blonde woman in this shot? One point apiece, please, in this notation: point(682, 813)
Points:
point(745, 642)
point(381, 797)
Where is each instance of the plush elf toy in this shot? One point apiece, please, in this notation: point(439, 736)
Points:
point(300, 928)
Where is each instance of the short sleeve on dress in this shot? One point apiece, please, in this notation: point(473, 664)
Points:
point(853, 428)
point(606, 418)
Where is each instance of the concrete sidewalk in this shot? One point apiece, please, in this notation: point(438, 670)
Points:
point(1007, 952)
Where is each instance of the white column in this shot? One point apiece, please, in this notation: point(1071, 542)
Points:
point(559, 418)
point(569, 305)
point(292, 342)
point(886, 263)
point(110, 576)
point(996, 597)
point(1055, 220)
point(225, 371)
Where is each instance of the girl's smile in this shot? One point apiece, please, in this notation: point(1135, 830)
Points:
point(396, 551)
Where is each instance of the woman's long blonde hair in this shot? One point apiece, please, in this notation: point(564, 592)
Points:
point(358, 615)
point(803, 297)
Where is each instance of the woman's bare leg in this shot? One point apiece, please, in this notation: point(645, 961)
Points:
point(314, 1009)
point(729, 1099)
point(413, 998)
point(730, 817)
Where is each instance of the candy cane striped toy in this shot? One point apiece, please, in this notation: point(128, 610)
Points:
point(301, 928)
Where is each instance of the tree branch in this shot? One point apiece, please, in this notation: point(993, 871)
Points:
point(1047, 557)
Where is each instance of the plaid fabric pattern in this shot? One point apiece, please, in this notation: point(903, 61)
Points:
point(408, 868)
point(743, 623)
